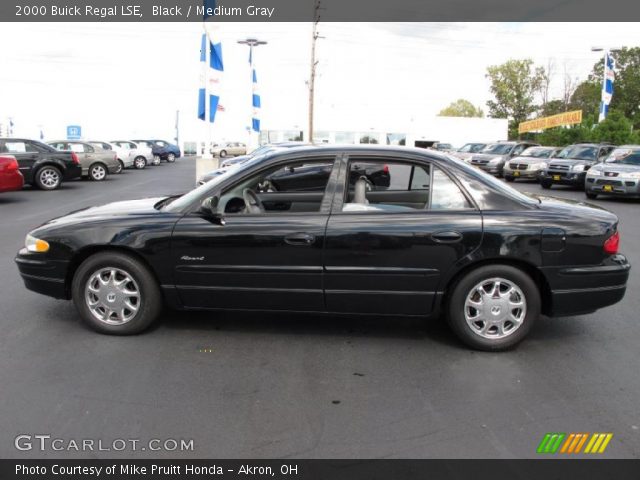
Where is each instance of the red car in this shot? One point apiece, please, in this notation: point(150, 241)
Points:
point(10, 177)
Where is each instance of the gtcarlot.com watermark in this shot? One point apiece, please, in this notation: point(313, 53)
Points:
point(49, 443)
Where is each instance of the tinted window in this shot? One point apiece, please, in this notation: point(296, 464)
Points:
point(579, 152)
point(445, 194)
point(625, 156)
point(497, 148)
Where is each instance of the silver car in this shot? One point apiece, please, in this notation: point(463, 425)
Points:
point(618, 175)
point(96, 163)
point(229, 148)
point(529, 164)
point(492, 158)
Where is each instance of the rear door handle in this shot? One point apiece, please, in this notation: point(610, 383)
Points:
point(300, 239)
point(447, 237)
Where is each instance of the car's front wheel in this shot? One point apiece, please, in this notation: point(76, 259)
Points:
point(591, 195)
point(493, 307)
point(509, 178)
point(116, 294)
point(223, 153)
point(171, 158)
point(140, 163)
point(546, 184)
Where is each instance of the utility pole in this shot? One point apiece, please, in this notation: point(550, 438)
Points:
point(177, 139)
point(314, 63)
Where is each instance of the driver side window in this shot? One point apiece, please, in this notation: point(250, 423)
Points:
point(295, 187)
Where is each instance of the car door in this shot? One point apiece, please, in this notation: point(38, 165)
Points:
point(263, 261)
point(386, 253)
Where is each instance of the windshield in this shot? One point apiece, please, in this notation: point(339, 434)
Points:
point(498, 148)
point(188, 198)
point(537, 152)
point(579, 152)
point(471, 147)
point(625, 156)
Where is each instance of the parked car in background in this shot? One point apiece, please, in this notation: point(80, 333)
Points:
point(96, 163)
point(140, 154)
point(570, 166)
point(10, 177)
point(467, 150)
point(40, 164)
point(492, 158)
point(529, 164)
point(442, 147)
point(162, 150)
point(448, 239)
point(619, 175)
point(124, 156)
point(237, 161)
point(148, 146)
point(229, 148)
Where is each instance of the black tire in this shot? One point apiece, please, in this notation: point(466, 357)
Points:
point(121, 167)
point(150, 299)
point(223, 153)
point(509, 178)
point(171, 158)
point(156, 160)
point(546, 184)
point(590, 195)
point(98, 172)
point(466, 286)
point(139, 163)
point(48, 178)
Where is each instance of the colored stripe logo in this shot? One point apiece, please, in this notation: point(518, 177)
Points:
point(574, 443)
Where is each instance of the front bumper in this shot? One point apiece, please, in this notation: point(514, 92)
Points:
point(584, 289)
point(113, 168)
point(42, 275)
point(492, 169)
point(575, 179)
point(622, 186)
point(526, 174)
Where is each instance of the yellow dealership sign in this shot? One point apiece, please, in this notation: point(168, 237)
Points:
point(561, 119)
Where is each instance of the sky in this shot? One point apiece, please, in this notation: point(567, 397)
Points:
point(128, 80)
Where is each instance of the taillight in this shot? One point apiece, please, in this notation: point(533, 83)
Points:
point(9, 163)
point(74, 158)
point(385, 169)
point(611, 244)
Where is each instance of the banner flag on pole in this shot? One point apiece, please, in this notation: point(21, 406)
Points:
point(212, 68)
point(255, 102)
point(607, 86)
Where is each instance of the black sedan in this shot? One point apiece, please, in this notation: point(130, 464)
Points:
point(443, 237)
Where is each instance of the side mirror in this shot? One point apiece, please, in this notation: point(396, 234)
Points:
point(210, 208)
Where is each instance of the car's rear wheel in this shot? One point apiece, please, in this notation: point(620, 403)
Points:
point(156, 160)
point(546, 184)
point(591, 196)
point(140, 163)
point(98, 172)
point(120, 167)
point(171, 158)
point(116, 294)
point(493, 307)
point(223, 153)
point(48, 178)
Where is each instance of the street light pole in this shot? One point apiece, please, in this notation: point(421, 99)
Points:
point(252, 42)
point(314, 63)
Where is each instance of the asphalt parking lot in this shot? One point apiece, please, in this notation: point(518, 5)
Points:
point(291, 386)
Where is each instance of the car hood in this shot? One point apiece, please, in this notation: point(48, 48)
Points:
point(569, 161)
point(528, 160)
point(123, 209)
point(618, 168)
point(487, 156)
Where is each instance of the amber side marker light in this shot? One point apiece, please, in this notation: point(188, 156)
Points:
point(36, 245)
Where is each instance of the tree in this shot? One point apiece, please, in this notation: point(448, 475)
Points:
point(514, 85)
point(546, 75)
point(626, 87)
point(461, 108)
point(552, 107)
point(586, 97)
point(616, 129)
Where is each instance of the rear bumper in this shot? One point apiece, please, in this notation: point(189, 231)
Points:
point(584, 289)
point(72, 172)
point(42, 275)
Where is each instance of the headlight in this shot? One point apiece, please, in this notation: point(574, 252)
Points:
point(577, 168)
point(632, 175)
point(596, 172)
point(36, 245)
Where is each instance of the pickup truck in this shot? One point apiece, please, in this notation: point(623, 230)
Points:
point(41, 165)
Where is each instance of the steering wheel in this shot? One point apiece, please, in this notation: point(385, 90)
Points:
point(252, 202)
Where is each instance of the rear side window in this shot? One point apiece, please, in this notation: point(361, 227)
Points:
point(445, 194)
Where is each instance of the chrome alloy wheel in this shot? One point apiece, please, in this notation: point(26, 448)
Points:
point(112, 296)
point(49, 177)
point(495, 308)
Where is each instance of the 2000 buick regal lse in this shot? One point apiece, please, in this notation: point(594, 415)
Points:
point(440, 236)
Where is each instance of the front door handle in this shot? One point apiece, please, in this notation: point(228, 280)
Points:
point(300, 239)
point(447, 237)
